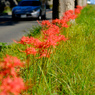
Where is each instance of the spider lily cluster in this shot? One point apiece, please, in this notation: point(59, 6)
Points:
point(51, 34)
point(10, 81)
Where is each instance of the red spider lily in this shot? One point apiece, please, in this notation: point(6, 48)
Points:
point(61, 22)
point(10, 61)
point(29, 40)
point(31, 50)
point(69, 15)
point(6, 72)
point(64, 23)
point(61, 38)
point(71, 11)
point(51, 41)
point(11, 86)
point(37, 43)
point(79, 7)
point(46, 23)
point(50, 38)
point(47, 43)
point(73, 16)
point(51, 34)
point(77, 11)
point(44, 53)
point(10, 82)
point(51, 31)
point(23, 40)
point(55, 21)
point(32, 41)
point(8, 66)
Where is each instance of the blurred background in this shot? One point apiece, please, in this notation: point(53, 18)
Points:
point(7, 5)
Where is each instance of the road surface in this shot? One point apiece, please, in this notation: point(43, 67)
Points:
point(14, 30)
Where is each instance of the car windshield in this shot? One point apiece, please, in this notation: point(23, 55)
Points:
point(29, 3)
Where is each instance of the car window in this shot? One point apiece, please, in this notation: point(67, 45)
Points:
point(29, 3)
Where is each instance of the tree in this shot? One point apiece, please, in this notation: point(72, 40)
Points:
point(60, 6)
point(70, 4)
point(79, 2)
point(13, 3)
point(2, 5)
point(76, 3)
point(84, 2)
point(55, 9)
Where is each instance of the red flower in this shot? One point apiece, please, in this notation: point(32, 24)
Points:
point(44, 53)
point(77, 11)
point(73, 16)
point(10, 83)
point(24, 40)
point(37, 43)
point(31, 50)
point(69, 15)
point(12, 86)
point(56, 21)
point(8, 66)
point(79, 7)
point(46, 23)
point(10, 61)
point(51, 41)
point(64, 23)
point(61, 38)
point(53, 30)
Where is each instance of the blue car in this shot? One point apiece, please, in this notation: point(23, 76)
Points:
point(29, 9)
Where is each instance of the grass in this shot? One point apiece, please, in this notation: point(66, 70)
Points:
point(71, 68)
point(7, 10)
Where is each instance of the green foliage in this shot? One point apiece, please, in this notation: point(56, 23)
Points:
point(71, 68)
point(2, 46)
point(7, 9)
point(34, 31)
point(13, 49)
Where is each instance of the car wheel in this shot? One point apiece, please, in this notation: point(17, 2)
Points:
point(13, 17)
point(43, 17)
point(39, 17)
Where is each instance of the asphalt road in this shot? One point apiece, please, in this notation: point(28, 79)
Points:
point(14, 30)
